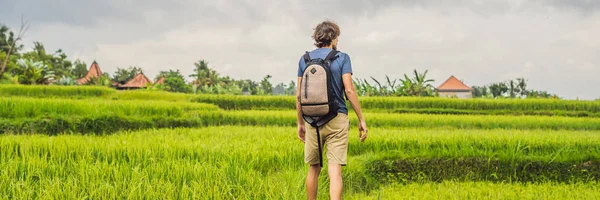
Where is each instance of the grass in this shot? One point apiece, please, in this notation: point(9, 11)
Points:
point(542, 107)
point(420, 104)
point(287, 118)
point(254, 162)
point(484, 190)
point(445, 111)
point(245, 147)
point(150, 95)
point(108, 123)
point(87, 92)
point(18, 107)
point(44, 91)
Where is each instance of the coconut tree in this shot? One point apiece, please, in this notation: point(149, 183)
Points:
point(203, 75)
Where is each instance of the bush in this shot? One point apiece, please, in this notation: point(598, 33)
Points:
point(407, 170)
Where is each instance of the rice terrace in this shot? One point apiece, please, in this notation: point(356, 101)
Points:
point(73, 142)
point(271, 99)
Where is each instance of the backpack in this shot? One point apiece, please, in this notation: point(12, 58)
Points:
point(318, 102)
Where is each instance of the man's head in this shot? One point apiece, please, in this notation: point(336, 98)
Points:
point(326, 34)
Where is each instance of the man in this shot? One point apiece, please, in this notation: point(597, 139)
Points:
point(334, 134)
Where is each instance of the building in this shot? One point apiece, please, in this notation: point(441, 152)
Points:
point(138, 82)
point(455, 88)
point(93, 72)
point(161, 80)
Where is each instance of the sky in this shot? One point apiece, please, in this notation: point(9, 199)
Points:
point(554, 44)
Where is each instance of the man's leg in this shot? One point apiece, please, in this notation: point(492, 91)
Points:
point(337, 151)
point(335, 181)
point(312, 181)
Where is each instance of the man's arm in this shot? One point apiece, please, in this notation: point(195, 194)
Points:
point(353, 98)
point(301, 128)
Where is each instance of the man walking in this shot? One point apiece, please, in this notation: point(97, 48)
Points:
point(334, 134)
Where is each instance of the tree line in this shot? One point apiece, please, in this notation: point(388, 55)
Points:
point(41, 67)
point(516, 88)
point(208, 81)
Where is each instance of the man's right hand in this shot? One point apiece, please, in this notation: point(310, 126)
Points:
point(301, 132)
point(362, 130)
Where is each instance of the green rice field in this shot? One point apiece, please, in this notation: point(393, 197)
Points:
point(97, 143)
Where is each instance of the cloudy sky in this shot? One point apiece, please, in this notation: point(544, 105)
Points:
point(555, 44)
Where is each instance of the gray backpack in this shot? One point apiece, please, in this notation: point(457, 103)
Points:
point(318, 102)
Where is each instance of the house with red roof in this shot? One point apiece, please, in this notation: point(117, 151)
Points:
point(139, 81)
point(455, 88)
point(93, 72)
point(161, 80)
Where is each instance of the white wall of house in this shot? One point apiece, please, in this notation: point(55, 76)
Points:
point(460, 95)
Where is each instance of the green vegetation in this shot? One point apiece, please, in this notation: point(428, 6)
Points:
point(68, 142)
point(87, 92)
point(207, 116)
point(231, 102)
point(418, 85)
point(543, 107)
point(146, 95)
point(179, 140)
point(516, 88)
point(54, 91)
point(40, 67)
point(173, 82)
point(484, 190)
point(245, 162)
point(32, 107)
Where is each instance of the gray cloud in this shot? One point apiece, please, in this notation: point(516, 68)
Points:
point(552, 43)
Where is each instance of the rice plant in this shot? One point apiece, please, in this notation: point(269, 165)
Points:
point(239, 162)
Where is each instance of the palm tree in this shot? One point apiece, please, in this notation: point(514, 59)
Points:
point(204, 75)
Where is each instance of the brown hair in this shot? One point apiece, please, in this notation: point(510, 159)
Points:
point(325, 32)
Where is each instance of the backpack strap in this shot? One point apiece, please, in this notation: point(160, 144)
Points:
point(306, 58)
point(332, 55)
point(320, 147)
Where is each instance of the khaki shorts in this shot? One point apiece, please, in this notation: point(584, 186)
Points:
point(334, 135)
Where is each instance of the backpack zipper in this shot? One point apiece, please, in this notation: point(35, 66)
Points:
point(306, 87)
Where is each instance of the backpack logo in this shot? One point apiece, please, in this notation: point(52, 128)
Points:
point(313, 70)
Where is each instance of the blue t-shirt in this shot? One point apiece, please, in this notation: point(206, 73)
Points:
point(339, 67)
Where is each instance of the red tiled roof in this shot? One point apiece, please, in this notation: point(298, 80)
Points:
point(161, 80)
point(453, 84)
point(139, 81)
point(92, 73)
